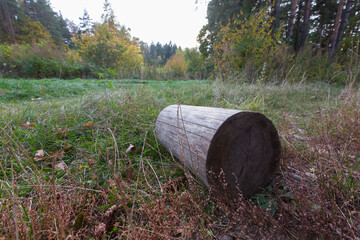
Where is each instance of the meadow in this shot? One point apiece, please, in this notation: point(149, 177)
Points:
point(67, 172)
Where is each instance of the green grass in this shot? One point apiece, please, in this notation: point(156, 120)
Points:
point(153, 196)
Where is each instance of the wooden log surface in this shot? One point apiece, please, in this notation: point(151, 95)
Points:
point(231, 151)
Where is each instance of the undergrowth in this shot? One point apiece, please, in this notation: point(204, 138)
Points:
point(103, 175)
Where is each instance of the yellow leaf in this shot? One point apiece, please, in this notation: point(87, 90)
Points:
point(89, 124)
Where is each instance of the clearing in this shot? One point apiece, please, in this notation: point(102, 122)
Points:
point(65, 171)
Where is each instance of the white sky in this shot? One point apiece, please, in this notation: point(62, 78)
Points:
point(178, 21)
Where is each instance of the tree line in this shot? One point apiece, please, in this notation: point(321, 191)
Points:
point(37, 42)
point(252, 40)
point(28, 21)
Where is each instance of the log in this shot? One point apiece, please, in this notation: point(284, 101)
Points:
point(231, 151)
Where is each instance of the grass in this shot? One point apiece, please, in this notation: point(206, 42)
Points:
point(89, 188)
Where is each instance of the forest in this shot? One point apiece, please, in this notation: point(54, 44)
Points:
point(248, 40)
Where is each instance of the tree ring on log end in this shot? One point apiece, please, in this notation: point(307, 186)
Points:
point(244, 155)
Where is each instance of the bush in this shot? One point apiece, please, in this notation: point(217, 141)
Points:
point(176, 66)
point(42, 60)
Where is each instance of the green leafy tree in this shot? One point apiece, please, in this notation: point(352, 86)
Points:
point(246, 42)
point(176, 66)
point(110, 47)
point(196, 64)
point(32, 32)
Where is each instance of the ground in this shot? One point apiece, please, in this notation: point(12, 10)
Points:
point(65, 171)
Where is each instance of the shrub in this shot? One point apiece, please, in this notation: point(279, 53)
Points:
point(42, 60)
point(176, 66)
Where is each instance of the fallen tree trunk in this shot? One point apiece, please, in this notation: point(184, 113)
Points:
point(231, 151)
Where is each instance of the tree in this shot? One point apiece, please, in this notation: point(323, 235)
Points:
point(32, 32)
point(108, 15)
point(6, 17)
point(176, 65)
point(294, 5)
point(275, 14)
point(158, 54)
point(85, 23)
point(351, 37)
point(41, 11)
point(195, 62)
point(109, 47)
point(305, 25)
point(246, 42)
point(342, 18)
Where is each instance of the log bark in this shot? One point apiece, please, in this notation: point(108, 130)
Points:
point(231, 151)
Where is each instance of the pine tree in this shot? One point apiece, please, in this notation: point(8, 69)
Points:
point(294, 5)
point(342, 18)
point(41, 11)
point(85, 23)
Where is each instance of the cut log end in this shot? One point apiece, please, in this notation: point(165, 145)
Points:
point(243, 155)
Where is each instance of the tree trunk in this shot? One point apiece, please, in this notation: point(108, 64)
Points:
point(336, 28)
point(275, 14)
point(7, 21)
point(27, 9)
point(344, 20)
point(305, 25)
point(298, 27)
point(289, 33)
point(224, 147)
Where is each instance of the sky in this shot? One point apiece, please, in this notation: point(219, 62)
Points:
point(178, 21)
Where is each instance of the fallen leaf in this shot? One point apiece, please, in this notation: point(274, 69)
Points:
point(130, 173)
point(100, 230)
point(89, 124)
point(57, 155)
point(62, 132)
point(39, 155)
point(1, 92)
point(36, 99)
point(61, 165)
point(131, 148)
point(28, 124)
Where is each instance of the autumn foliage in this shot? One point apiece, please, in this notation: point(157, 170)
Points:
point(248, 43)
point(110, 47)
